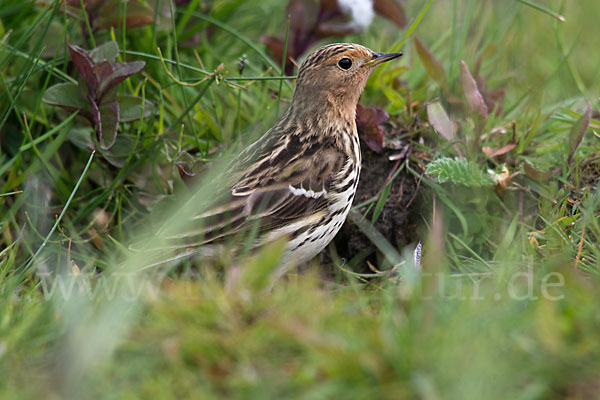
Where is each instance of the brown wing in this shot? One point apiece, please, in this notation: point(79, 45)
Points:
point(283, 185)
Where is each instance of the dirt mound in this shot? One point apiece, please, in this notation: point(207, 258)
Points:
point(400, 215)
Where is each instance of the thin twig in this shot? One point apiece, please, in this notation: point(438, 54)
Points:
point(10, 193)
point(162, 60)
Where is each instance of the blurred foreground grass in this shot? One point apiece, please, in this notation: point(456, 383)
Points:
point(506, 305)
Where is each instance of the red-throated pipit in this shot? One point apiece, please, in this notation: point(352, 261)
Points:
point(299, 179)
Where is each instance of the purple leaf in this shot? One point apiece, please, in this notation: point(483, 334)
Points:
point(103, 71)
point(95, 116)
point(138, 15)
point(392, 10)
point(535, 173)
point(369, 122)
point(578, 131)
point(434, 67)
point(492, 152)
point(85, 65)
point(474, 98)
point(157, 12)
point(106, 119)
point(440, 121)
point(109, 117)
point(493, 97)
point(275, 47)
point(186, 164)
point(121, 71)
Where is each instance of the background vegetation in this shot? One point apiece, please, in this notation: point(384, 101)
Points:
point(504, 145)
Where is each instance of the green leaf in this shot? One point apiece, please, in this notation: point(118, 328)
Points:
point(528, 137)
point(65, 95)
point(459, 170)
point(105, 52)
point(81, 136)
point(578, 131)
point(381, 202)
point(131, 108)
point(120, 151)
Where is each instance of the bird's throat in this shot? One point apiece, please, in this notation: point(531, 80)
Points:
point(326, 108)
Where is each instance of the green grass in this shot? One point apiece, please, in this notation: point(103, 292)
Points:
point(506, 304)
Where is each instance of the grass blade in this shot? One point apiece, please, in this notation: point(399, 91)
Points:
point(62, 213)
point(543, 9)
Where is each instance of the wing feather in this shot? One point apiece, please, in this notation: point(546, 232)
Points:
point(263, 191)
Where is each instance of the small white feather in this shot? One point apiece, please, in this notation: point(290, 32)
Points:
point(306, 193)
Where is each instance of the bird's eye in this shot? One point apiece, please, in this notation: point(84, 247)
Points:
point(345, 63)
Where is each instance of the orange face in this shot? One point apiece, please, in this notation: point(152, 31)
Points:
point(341, 69)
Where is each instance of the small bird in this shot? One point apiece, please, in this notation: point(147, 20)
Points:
point(299, 179)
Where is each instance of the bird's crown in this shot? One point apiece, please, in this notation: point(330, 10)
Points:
point(341, 59)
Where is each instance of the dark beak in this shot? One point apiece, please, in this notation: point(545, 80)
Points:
point(379, 58)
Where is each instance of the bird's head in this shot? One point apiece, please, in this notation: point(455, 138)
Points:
point(337, 73)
